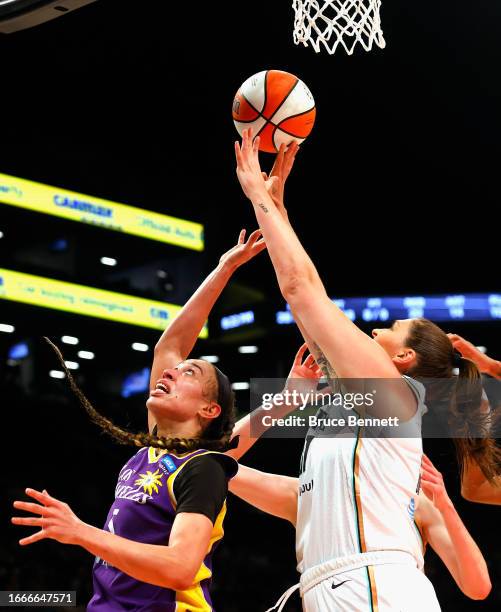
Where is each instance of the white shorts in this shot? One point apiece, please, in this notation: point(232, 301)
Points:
point(396, 588)
point(383, 581)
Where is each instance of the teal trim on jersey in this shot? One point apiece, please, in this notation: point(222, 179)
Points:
point(419, 534)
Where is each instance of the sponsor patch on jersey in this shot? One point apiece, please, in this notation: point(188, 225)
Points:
point(411, 508)
point(306, 487)
point(167, 465)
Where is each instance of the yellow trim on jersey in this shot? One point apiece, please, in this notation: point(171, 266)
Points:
point(153, 457)
point(358, 499)
point(154, 454)
point(372, 585)
point(193, 599)
point(217, 530)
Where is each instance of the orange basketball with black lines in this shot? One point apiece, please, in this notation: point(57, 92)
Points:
point(277, 106)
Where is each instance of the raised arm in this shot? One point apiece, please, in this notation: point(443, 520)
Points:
point(275, 185)
point(448, 536)
point(173, 566)
point(350, 351)
point(177, 341)
point(271, 493)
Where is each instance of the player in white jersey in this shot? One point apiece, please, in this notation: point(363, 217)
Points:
point(369, 484)
point(375, 479)
point(436, 523)
point(355, 522)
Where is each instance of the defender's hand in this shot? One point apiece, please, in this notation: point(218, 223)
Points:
point(55, 518)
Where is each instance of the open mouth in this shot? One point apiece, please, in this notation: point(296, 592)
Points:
point(162, 386)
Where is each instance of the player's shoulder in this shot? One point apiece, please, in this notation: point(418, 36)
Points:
point(139, 456)
point(419, 391)
point(214, 461)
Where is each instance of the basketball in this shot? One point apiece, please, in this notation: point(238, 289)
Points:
point(277, 106)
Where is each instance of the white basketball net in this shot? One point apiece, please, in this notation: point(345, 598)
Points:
point(330, 23)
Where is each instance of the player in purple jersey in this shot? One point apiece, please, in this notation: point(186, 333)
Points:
point(155, 550)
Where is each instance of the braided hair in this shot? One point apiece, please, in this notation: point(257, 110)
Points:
point(217, 436)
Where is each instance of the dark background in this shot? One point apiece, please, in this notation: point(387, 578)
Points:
point(395, 191)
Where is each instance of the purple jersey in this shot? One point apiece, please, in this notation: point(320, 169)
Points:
point(144, 510)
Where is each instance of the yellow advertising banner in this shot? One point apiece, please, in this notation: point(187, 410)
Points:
point(103, 213)
point(79, 299)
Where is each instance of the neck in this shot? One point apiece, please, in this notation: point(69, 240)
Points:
point(174, 429)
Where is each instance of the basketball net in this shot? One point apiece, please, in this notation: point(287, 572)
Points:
point(330, 23)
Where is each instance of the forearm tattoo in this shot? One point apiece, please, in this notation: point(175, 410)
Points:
point(263, 207)
point(328, 371)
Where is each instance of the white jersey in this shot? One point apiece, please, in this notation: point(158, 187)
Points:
point(359, 494)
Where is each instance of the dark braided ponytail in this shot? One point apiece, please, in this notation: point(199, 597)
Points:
point(218, 432)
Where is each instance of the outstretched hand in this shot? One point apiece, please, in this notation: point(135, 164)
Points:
point(256, 183)
point(243, 251)
point(55, 518)
point(248, 168)
point(275, 183)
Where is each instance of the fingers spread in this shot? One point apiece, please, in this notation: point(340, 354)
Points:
point(44, 498)
point(39, 535)
point(32, 521)
point(30, 507)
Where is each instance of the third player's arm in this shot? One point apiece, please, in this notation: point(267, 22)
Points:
point(448, 536)
point(271, 493)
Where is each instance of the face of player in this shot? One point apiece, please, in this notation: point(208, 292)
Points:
point(183, 392)
point(393, 339)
